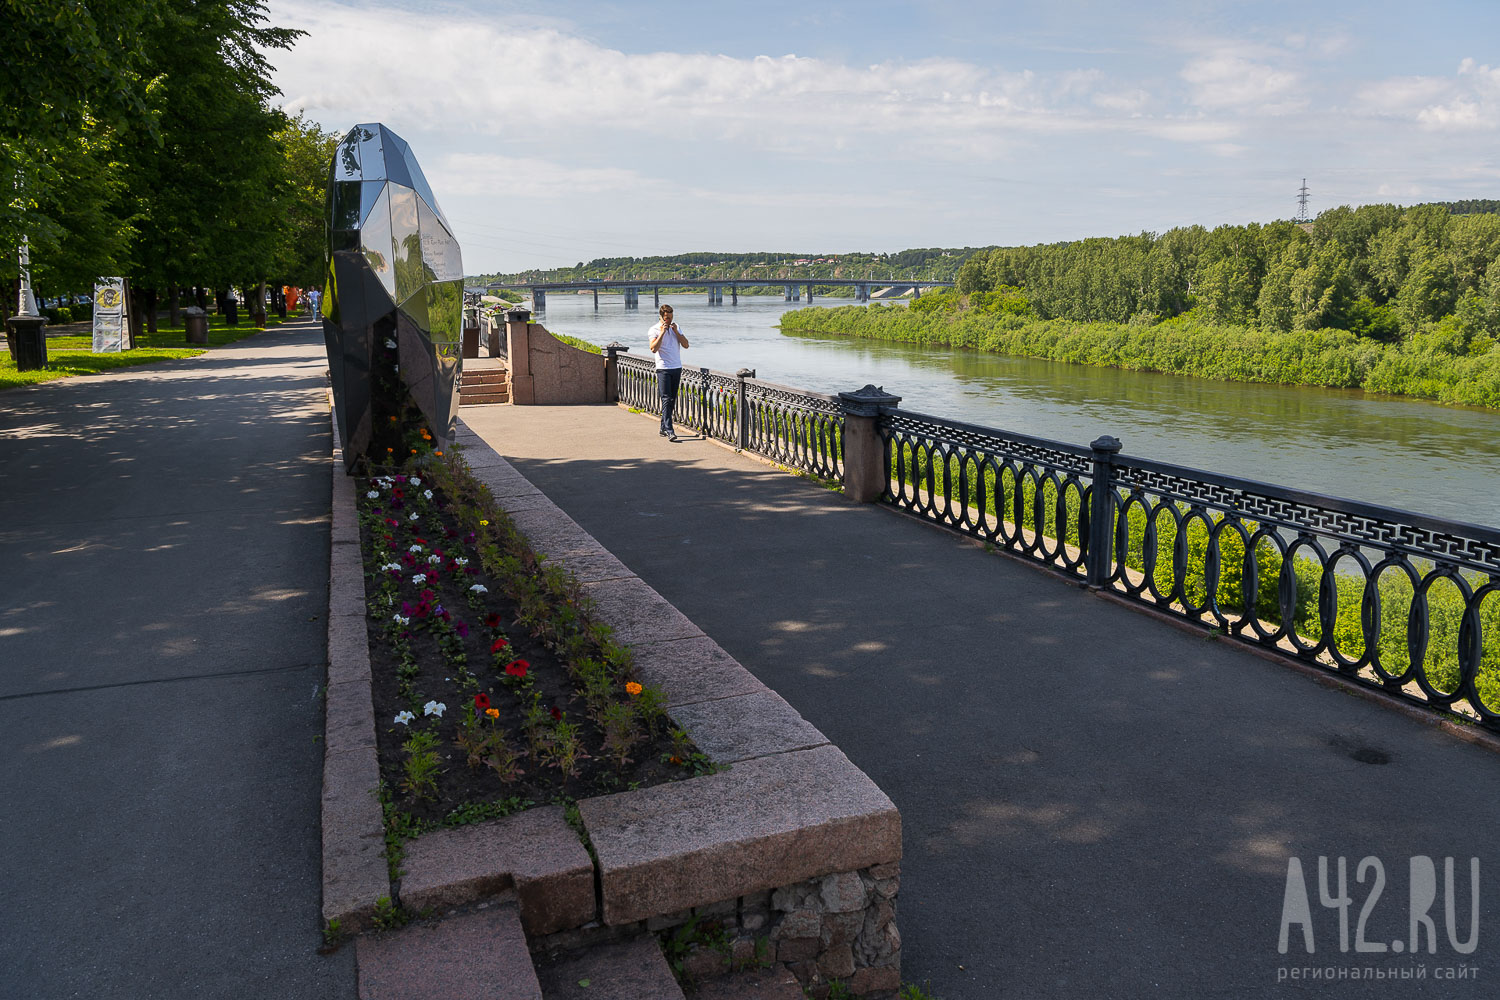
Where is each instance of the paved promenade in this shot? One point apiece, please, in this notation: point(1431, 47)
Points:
point(164, 544)
point(1095, 804)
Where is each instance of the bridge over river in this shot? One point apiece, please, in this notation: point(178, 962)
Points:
point(631, 288)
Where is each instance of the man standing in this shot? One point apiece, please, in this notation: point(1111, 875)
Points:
point(667, 343)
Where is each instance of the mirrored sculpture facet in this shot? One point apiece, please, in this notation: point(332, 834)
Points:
point(393, 299)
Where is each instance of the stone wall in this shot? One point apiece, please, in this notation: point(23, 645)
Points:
point(546, 372)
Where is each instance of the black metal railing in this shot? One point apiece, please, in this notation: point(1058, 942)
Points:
point(797, 428)
point(1397, 600)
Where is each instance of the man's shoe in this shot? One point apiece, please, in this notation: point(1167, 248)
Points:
point(673, 438)
point(661, 433)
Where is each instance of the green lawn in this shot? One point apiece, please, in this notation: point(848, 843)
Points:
point(68, 356)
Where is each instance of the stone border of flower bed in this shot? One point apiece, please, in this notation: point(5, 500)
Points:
point(790, 817)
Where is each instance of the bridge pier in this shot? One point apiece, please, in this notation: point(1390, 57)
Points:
point(538, 300)
point(596, 300)
point(656, 297)
point(793, 293)
point(862, 293)
point(715, 295)
point(734, 295)
point(632, 298)
point(809, 293)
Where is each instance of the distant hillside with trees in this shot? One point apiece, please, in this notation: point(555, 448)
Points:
point(1382, 297)
point(925, 264)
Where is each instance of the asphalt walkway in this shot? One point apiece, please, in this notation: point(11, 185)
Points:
point(1095, 804)
point(164, 544)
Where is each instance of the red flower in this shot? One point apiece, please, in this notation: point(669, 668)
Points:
point(492, 619)
point(421, 541)
point(481, 701)
point(517, 668)
point(428, 595)
point(498, 645)
point(423, 610)
point(556, 714)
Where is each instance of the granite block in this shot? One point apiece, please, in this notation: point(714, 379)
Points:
point(349, 716)
point(626, 970)
point(638, 613)
point(693, 670)
point(550, 531)
point(766, 822)
point(346, 580)
point(354, 868)
point(478, 956)
point(348, 649)
point(535, 851)
point(746, 726)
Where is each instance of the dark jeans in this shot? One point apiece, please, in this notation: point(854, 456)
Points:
point(667, 381)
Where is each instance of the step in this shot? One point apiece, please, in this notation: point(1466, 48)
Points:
point(776, 983)
point(623, 970)
point(485, 377)
point(480, 399)
point(477, 956)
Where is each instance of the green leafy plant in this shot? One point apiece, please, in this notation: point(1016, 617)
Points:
point(421, 767)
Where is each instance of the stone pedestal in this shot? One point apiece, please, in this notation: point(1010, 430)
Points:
point(27, 337)
point(865, 475)
point(518, 350)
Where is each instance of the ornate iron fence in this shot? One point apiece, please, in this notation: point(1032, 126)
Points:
point(1397, 600)
point(799, 429)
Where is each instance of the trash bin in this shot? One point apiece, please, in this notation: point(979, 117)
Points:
point(27, 337)
point(195, 321)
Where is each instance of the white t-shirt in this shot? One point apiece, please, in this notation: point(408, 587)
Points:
point(669, 351)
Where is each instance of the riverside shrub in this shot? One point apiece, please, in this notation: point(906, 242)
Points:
point(1184, 345)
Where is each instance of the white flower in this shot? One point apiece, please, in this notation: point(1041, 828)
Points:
point(390, 343)
point(480, 588)
point(414, 548)
point(373, 494)
point(413, 517)
point(391, 566)
point(417, 482)
point(402, 718)
point(460, 561)
point(436, 708)
point(427, 494)
point(419, 578)
point(434, 560)
point(401, 619)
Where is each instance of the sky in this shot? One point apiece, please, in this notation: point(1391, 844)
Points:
point(554, 133)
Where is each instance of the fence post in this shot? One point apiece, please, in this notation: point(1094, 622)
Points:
point(612, 369)
point(703, 416)
point(1102, 512)
point(865, 478)
point(742, 437)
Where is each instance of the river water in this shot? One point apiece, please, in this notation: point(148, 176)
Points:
point(1403, 453)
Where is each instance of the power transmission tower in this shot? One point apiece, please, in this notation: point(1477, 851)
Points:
point(1302, 202)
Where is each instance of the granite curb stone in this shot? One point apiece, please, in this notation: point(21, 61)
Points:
point(625, 970)
point(747, 726)
point(478, 956)
point(767, 822)
point(637, 613)
point(536, 852)
point(693, 670)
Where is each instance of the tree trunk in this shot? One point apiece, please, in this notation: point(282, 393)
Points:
point(173, 314)
point(258, 309)
point(151, 310)
point(137, 304)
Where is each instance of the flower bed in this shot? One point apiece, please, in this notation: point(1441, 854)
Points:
point(493, 688)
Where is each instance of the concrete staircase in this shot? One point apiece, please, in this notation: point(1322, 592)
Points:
point(483, 955)
point(486, 380)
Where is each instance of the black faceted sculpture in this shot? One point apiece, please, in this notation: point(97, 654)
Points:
point(393, 298)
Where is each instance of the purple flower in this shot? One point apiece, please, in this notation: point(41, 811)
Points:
point(462, 629)
point(406, 608)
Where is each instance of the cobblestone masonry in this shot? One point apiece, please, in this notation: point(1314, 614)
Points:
point(834, 927)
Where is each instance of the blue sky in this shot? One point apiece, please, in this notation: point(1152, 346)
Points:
point(560, 132)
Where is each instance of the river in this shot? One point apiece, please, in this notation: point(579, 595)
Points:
point(1419, 456)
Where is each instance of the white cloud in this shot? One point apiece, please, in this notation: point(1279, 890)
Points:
point(1228, 81)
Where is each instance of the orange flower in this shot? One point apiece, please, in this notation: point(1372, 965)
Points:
point(493, 713)
point(438, 454)
point(632, 688)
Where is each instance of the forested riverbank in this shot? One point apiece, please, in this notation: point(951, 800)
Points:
point(1425, 365)
point(1380, 298)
